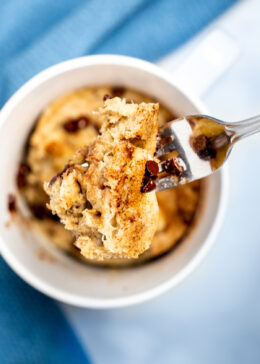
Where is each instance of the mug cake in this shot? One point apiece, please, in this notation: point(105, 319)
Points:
point(68, 127)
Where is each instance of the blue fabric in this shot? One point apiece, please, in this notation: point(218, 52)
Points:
point(35, 34)
point(32, 327)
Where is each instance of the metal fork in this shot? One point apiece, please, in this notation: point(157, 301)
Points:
point(194, 147)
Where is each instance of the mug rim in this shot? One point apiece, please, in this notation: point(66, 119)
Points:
point(99, 303)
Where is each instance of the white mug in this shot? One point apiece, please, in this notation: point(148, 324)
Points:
point(64, 278)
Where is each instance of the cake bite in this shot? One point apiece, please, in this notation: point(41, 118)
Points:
point(98, 193)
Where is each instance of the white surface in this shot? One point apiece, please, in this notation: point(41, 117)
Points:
point(214, 316)
point(203, 66)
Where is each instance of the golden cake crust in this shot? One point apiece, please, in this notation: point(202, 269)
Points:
point(98, 195)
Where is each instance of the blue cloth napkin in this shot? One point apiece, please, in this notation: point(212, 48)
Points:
point(32, 327)
point(33, 36)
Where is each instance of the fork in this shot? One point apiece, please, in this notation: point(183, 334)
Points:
point(194, 147)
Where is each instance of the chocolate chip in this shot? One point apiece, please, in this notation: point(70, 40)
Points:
point(53, 180)
point(203, 148)
point(219, 141)
point(160, 142)
point(200, 143)
point(88, 205)
point(151, 168)
point(172, 166)
point(207, 154)
point(21, 177)
point(118, 91)
point(66, 168)
point(73, 125)
point(11, 203)
point(148, 185)
point(106, 97)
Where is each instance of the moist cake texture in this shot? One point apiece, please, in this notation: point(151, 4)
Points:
point(71, 122)
point(98, 195)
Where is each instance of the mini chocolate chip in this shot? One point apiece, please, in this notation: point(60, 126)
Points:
point(207, 154)
point(23, 171)
point(160, 142)
point(118, 91)
point(178, 166)
point(148, 185)
point(11, 203)
point(200, 143)
point(88, 205)
point(53, 180)
point(73, 125)
point(151, 168)
point(98, 213)
point(219, 141)
point(58, 175)
point(106, 97)
point(168, 166)
point(172, 166)
point(203, 148)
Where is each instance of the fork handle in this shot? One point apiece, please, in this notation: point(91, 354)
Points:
point(244, 128)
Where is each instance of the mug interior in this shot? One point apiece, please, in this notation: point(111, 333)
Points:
point(40, 263)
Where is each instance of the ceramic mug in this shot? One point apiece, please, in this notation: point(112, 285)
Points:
point(62, 277)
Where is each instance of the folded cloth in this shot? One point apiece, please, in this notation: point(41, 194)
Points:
point(39, 34)
point(35, 35)
point(32, 327)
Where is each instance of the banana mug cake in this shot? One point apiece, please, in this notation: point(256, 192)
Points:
point(82, 175)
